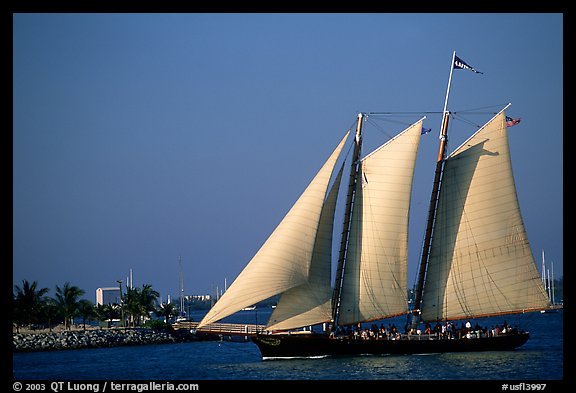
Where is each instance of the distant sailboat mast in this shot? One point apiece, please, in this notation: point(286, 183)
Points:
point(543, 269)
point(549, 290)
point(181, 288)
point(552, 266)
point(548, 279)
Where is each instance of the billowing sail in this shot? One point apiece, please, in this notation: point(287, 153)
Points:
point(283, 262)
point(310, 303)
point(375, 274)
point(480, 260)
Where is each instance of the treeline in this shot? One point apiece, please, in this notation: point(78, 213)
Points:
point(33, 308)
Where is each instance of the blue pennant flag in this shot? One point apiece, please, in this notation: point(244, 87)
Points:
point(462, 65)
point(425, 131)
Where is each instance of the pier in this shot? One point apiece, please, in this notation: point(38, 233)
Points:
point(222, 329)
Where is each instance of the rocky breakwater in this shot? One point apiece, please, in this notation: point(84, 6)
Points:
point(49, 341)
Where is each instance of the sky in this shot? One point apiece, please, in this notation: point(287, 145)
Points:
point(142, 138)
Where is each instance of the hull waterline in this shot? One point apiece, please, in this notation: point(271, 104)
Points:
point(319, 345)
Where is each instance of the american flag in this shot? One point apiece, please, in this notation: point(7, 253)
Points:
point(511, 122)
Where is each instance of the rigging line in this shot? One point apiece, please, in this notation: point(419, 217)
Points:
point(471, 111)
point(484, 107)
point(378, 127)
point(475, 113)
point(352, 144)
point(349, 148)
point(403, 123)
point(415, 277)
point(466, 121)
point(404, 113)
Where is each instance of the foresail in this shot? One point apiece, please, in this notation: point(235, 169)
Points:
point(480, 259)
point(310, 303)
point(283, 261)
point(375, 274)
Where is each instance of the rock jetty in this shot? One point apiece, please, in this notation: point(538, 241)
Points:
point(50, 341)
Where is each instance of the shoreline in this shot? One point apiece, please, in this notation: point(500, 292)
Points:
point(35, 341)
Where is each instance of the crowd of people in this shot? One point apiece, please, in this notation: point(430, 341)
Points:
point(450, 330)
point(442, 330)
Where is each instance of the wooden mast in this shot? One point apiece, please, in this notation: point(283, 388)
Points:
point(355, 166)
point(433, 204)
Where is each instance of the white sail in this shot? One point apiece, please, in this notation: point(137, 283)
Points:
point(480, 260)
point(283, 262)
point(375, 274)
point(310, 303)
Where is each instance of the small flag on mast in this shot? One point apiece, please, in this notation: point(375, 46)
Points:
point(425, 130)
point(462, 65)
point(511, 122)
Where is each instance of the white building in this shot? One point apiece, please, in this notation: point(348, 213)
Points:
point(109, 295)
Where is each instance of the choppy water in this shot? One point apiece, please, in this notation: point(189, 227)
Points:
point(540, 359)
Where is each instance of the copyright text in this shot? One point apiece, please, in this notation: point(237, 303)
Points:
point(104, 386)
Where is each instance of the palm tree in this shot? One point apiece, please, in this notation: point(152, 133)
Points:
point(139, 302)
point(27, 302)
point(86, 310)
point(166, 310)
point(107, 312)
point(49, 311)
point(148, 298)
point(132, 304)
point(67, 301)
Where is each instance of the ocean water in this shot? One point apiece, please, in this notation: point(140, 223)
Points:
point(541, 359)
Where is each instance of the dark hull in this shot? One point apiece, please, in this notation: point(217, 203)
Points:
point(315, 345)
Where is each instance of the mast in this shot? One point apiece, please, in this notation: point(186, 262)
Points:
point(543, 268)
point(181, 287)
point(347, 215)
point(433, 202)
point(549, 289)
point(553, 282)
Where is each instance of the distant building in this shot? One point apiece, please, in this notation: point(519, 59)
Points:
point(201, 298)
point(108, 295)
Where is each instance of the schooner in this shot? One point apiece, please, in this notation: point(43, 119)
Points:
point(476, 259)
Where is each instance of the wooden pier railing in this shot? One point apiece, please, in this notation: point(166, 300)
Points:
point(239, 329)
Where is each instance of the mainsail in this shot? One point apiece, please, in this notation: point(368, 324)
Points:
point(374, 284)
point(480, 260)
point(283, 262)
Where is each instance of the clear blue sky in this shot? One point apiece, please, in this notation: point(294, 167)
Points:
point(139, 138)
